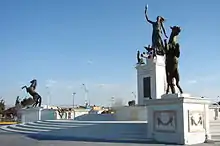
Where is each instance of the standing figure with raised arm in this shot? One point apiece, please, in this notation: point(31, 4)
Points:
point(157, 41)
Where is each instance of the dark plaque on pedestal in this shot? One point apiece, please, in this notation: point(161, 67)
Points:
point(147, 87)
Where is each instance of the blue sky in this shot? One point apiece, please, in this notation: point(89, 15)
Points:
point(65, 44)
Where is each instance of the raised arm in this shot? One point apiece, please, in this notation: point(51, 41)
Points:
point(151, 22)
point(164, 31)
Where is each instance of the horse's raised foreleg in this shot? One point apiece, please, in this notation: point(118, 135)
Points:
point(25, 87)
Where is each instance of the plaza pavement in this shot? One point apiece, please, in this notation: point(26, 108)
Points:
point(13, 139)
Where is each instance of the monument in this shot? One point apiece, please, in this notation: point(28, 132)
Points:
point(156, 76)
point(172, 117)
point(34, 113)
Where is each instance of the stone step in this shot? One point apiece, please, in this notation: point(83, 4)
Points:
point(63, 125)
point(215, 131)
point(38, 127)
point(214, 121)
point(104, 122)
point(215, 137)
point(214, 128)
point(50, 125)
point(110, 130)
point(214, 124)
point(24, 128)
point(11, 130)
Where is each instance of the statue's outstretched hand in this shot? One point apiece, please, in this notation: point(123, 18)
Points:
point(146, 7)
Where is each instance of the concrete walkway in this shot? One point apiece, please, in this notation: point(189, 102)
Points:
point(81, 133)
point(8, 139)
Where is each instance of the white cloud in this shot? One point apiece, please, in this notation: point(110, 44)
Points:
point(89, 62)
point(192, 81)
point(206, 79)
point(50, 82)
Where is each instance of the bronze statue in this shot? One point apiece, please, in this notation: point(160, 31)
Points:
point(31, 90)
point(131, 103)
point(27, 102)
point(151, 53)
point(172, 52)
point(157, 41)
point(17, 101)
point(139, 59)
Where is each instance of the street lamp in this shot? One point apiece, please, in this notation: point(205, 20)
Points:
point(86, 93)
point(218, 100)
point(48, 96)
point(134, 95)
point(112, 100)
point(74, 93)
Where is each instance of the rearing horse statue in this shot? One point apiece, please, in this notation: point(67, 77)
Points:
point(31, 90)
point(172, 52)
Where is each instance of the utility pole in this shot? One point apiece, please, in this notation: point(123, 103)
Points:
point(86, 94)
point(74, 93)
point(48, 96)
point(134, 95)
point(112, 100)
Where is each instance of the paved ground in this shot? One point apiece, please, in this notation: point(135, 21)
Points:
point(15, 139)
point(11, 139)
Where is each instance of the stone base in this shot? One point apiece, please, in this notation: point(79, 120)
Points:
point(35, 114)
point(182, 120)
point(130, 113)
point(176, 95)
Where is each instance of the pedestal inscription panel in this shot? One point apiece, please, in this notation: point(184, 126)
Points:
point(165, 121)
point(196, 121)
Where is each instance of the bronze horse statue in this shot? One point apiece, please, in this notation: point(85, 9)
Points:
point(172, 53)
point(31, 90)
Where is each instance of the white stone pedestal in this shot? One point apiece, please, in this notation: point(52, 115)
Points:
point(180, 120)
point(151, 79)
point(36, 114)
